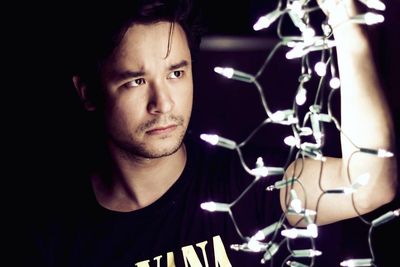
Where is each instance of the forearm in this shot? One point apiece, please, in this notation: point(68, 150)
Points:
point(365, 116)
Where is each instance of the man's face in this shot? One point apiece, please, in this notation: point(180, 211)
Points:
point(148, 91)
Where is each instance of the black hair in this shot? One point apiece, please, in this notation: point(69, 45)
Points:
point(100, 29)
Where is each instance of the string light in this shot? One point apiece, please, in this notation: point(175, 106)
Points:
point(357, 262)
point(381, 153)
point(299, 47)
point(388, 216)
point(218, 141)
point(215, 206)
point(375, 4)
point(235, 74)
point(306, 253)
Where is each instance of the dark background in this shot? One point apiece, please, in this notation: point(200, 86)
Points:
point(43, 117)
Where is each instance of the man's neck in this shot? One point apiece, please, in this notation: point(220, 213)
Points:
point(136, 183)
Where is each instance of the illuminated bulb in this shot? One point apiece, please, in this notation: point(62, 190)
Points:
point(218, 140)
point(381, 153)
point(388, 216)
point(281, 183)
point(235, 74)
point(357, 263)
point(320, 69)
point(215, 206)
point(297, 51)
point(295, 203)
point(284, 117)
point(295, 233)
point(369, 18)
point(361, 180)
point(312, 229)
point(255, 246)
point(301, 96)
point(373, 18)
point(309, 253)
point(304, 212)
point(271, 250)
point(308, 33)
point(375, 4)
point(295, 264)
point(334, 83)
point(227, 72)
point(266, 20)
point(305, 131)
point(259, 172)
point(251, 246)
point(290, 140)
point(262, 234)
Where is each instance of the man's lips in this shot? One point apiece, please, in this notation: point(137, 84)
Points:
point(162, 130)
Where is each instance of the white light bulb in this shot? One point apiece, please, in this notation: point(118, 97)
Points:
point(210, 138)
point(373, 18)
point(227, 72)
point(301, 96)
point(357, 262)
point(290, 140)
point(266, 20)
point(375, 4)
point(334, 83)
point(320, 69)
point(215, 206)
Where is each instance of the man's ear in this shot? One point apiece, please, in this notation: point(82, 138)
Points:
point(82, 90)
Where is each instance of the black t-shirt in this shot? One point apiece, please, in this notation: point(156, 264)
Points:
point(172, 231)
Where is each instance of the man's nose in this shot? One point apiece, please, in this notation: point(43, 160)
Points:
point(160, 101)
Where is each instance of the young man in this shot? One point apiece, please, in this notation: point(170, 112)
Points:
point(142, 204)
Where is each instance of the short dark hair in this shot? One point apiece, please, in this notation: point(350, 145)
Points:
point(101, 29)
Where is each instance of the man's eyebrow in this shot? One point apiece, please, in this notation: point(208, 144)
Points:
point(183, 63)
point(118, 76)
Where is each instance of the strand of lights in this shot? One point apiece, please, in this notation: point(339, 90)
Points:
point(299, 47)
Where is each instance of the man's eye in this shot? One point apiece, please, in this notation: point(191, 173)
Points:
point(175, 74)
point(136, 82)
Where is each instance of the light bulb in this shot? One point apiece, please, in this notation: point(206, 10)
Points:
point(301, 96)
point(266, 20)
point(334, 83)
point(235, 74)
point(381, 153)
point(309, 253)
point(215, 206)
point(320, 68)
point(388, 216)
point(375, 4)
point(263, 233)
point(218, 140)
point(271, 250)
point(357, 262)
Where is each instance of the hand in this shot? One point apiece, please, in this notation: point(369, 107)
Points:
point(337, 11)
